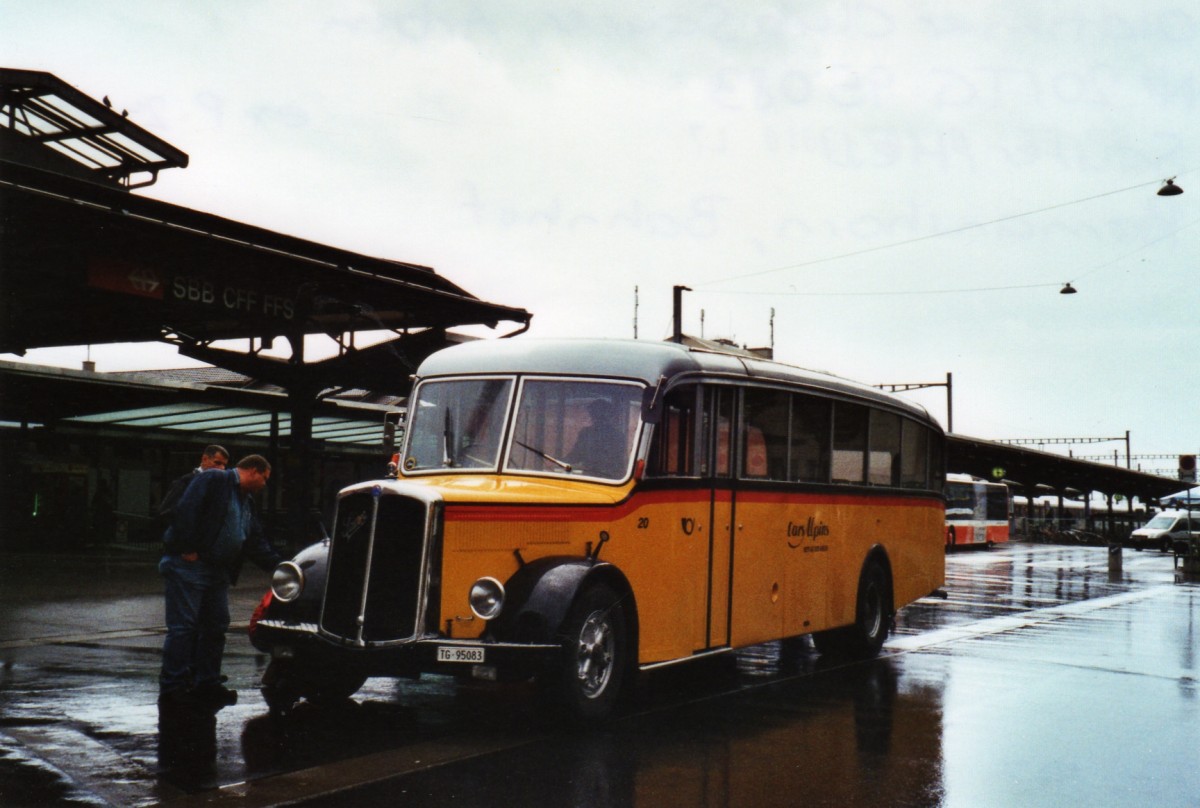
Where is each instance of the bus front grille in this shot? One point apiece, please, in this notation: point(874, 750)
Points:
point(375, 569)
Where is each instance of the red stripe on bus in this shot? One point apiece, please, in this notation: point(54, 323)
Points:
point(545, 512)
point(463, 512)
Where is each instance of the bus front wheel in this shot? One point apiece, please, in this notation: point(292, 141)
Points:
point(865, 637)
point(595, 654)
point(284, 683)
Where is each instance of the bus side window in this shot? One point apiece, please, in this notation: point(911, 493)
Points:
point(883, 461)
point(937, 459)
point(765, 433)
point(718, 414)
point(849, 442)
point(810, 439)
point(722, 453)
point(914, 455)
point(672, 451)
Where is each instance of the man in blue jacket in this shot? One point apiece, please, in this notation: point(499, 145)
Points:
point(213, 527)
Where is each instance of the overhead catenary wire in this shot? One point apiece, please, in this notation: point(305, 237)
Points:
point(917, 239)
point(968, 289)
point(1133, 252)
point(777, 293)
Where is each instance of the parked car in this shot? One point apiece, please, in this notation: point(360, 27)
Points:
point(1166, 529)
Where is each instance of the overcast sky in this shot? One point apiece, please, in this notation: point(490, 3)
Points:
point(906, 186)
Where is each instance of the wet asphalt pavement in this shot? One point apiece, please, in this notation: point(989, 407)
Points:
point(1043, 679)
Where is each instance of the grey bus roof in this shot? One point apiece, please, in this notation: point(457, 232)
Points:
point(639, 360)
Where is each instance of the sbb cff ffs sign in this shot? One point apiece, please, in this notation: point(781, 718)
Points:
point(1187, 468)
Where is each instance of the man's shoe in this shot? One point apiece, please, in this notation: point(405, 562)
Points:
point(215, 697)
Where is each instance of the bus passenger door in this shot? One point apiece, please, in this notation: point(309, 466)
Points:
point(692, 459)
point(717, 463)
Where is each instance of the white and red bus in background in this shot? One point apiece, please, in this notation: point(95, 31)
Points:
point(977, 511)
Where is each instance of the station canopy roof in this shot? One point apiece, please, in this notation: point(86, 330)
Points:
point(46, 122)
point(85, 264)
point(84, 261)
point(217, 404)
point(1030, 469)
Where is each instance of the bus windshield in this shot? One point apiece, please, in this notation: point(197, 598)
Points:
point(457, 424)
point(559, 427)
point(566, 426)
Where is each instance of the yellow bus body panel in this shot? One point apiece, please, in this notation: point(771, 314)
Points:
point(794, 558)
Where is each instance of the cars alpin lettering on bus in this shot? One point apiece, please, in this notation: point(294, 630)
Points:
point(811, 529)
point(579, 511)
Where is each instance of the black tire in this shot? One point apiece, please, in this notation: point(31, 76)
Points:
point(595, 660)
point(277, 688)
point(284, 683)
point(873, 617)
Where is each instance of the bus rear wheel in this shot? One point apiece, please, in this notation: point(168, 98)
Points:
point(865, 637)
point(595, 654)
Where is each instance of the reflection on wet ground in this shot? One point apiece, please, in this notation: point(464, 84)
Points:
point(1042, 679)
point(849, 738)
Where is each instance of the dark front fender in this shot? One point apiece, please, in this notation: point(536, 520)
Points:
point(539, 595)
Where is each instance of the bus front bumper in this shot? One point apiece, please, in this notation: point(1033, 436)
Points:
point(305, 644)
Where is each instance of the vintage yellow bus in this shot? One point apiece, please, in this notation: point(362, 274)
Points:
point(580, 510)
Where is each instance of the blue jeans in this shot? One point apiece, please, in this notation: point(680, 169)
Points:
point(197, 617)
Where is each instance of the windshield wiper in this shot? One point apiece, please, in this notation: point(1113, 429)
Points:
point(561, 464)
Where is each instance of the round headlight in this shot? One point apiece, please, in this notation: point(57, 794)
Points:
point(486, 598)
point(287, 582)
